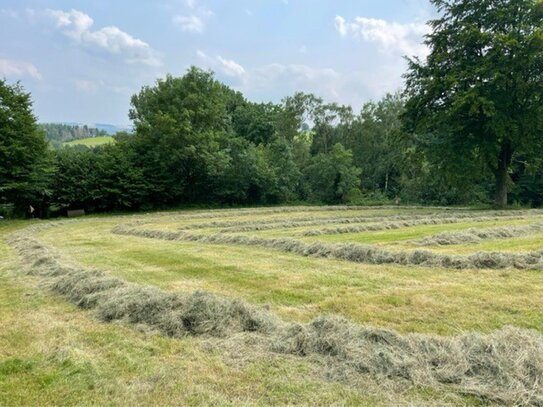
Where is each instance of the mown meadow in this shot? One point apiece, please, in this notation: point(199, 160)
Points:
point(281, 305)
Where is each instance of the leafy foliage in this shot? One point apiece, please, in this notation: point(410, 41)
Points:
point(24, 158)
point(476, 101)
point(332, 177)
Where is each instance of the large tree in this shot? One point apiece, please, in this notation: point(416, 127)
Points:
point(475, 101)
point(24, 157)
point(179, 124)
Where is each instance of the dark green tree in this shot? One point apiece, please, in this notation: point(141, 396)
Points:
point(475, 102)
point(332, 177)
point(25, 166)
point(285, 172)
point(256, 122)
point(76, 184)
point(179, 124)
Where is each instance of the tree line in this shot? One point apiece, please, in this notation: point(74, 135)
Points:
point(466, 129)
point(58, 133)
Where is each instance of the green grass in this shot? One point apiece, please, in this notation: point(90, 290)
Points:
point(53, 353)
point(301, 288)
point(91, 141)
point(401, 236)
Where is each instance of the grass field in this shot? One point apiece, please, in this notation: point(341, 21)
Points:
point(292, 305)
point(91, 141)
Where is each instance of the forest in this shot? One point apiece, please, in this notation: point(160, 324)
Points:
point(465, 130)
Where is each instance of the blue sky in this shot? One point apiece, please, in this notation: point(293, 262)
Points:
point(82, 60)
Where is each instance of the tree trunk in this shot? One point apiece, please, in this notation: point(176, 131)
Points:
point(502, 175)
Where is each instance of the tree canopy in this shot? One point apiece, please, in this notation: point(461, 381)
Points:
point(475, 102)
point(24, 157)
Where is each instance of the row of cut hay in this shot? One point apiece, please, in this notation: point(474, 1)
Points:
point(270, 224)
point(172, 314)
point(381, 222)
point(222, 213)
point(474, 235)
point(504, 367)
point(409, 223)
point(354, 252)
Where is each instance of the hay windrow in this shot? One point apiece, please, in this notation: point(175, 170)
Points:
point(488, 366)
point(389, 221)
point(224, 213)
point(474, 235)
point(274, 223)
point(114, 299)
point(355, 252)
point(505, 366)
point(408, 223)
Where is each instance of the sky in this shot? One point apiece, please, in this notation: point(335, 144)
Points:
point(82, 60)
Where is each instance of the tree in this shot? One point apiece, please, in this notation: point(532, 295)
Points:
point(378, 149)
point(256, 122)
point(178, 125)
point(24, 158)
point(285, 175)
point(332, 177)
point(476, 100)
point(76, 184)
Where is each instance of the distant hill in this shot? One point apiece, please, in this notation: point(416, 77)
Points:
point(60, 133)
point(91, 141)
point(112, 128)
point(67, 132)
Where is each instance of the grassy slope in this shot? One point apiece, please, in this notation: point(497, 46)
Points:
point(53, 353)
point(91, 141)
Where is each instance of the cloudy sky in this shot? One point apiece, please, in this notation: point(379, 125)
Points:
point(82, 60)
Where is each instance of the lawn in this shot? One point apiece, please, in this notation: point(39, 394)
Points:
point(54, 352)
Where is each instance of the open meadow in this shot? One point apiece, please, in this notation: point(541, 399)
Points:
point(283, 305)
point(91, 141)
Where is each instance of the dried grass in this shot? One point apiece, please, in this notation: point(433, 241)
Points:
point(386, 222)
point(354, 252)
point(505, 366)
point(222, 213)
point(474, 235)
point(410, 223)
point(173, 314)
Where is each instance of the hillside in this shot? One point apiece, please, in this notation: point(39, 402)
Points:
point(91, 141)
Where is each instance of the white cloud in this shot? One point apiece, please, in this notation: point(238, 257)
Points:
point(194, 18)
point(293, 77)
point(190, 3)
point(201, 54)
point(77, 26)
point(190, 23)
point(390, 37)
point(18, 69)
point(341, 26)
point(225, 66)
point(275, 81)
point(8, 12)
point(230, 67)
